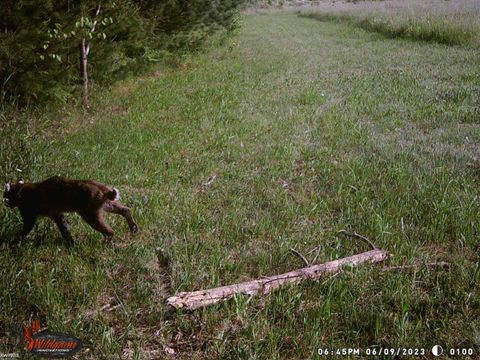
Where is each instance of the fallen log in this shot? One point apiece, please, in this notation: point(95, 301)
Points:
point(198, 299)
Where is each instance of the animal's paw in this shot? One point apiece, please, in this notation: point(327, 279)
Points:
point(134, 229)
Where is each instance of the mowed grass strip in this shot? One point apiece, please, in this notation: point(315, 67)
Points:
point(295, 131)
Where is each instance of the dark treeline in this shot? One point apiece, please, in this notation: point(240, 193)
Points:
point(41, 40)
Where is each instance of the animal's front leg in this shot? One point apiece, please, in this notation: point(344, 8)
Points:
point(28, 224)
point(63, 227)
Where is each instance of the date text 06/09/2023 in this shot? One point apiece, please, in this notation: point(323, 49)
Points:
point(371, 351)
point(436, 350)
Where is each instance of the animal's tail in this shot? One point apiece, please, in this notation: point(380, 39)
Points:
point(113, 195)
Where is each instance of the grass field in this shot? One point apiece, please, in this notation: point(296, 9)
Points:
point(452, 22)
point(303, 128)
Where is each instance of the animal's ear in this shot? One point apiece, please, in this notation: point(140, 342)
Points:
point(8, 187)
point(21, 182)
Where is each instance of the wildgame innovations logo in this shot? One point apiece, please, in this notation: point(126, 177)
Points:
point(47, 344)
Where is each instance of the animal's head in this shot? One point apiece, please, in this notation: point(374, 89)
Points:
point(12, 193)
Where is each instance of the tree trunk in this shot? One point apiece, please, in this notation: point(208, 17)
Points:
point(197, 299)
point(84, 65)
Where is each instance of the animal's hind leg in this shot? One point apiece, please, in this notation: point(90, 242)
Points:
point(95, 220)
point(116, 207)
point(63, 227)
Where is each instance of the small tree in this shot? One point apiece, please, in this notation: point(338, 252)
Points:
point(87, 29)
point(84, 32)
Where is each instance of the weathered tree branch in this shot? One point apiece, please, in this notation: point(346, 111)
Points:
point(198, 299)
point(303, 258)
point(358, 236)
point(416, 266)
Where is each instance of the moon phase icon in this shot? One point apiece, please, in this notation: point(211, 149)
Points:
point(437, 350)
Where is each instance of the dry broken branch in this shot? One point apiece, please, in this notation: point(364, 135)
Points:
point(416, 266)
point(210, 180)
point(198, 299)
point(358, 236)
point(304, 259)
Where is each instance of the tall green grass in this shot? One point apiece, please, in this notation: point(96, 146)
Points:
point(456, 29)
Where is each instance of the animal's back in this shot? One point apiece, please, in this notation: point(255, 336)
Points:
point(57, 194)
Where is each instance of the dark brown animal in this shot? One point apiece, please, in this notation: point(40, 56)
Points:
point(56, 196)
